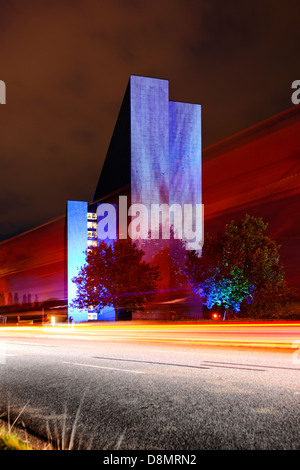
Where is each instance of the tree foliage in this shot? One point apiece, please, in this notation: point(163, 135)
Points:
point(171, 261)
point(237, 265)
point(115, 275)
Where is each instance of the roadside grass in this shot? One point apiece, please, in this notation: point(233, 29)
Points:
point(10, 440)
point(15, 437)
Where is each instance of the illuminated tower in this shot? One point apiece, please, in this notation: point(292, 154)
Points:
point(154, 157)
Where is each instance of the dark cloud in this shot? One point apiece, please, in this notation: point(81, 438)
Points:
point(66, 65)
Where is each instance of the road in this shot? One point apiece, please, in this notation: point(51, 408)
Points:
point(155, 387)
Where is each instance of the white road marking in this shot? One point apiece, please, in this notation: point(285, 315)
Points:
point(174, 352)
point(103, 367)
point(3, 357)
point(23, 343)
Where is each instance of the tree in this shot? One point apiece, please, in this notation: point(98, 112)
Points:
point(236, 266)
point(115, 275)
point(171, 259)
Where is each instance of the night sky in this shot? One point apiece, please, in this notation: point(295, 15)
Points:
point(66, 64)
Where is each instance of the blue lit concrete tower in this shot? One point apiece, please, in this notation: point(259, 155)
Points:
point(185, 176)
point(77, 238)
point(155, 150)
point(185, 158)
point(185, 153)
point(149, 136)
point(155, 157)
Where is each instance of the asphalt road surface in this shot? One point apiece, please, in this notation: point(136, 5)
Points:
point(104, 390)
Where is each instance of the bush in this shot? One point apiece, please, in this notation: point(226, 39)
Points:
point(274, 305)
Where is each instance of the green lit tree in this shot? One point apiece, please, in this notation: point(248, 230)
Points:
point(115, 275)
point(236, 266)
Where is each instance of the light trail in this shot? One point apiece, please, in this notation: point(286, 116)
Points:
point(283, 335)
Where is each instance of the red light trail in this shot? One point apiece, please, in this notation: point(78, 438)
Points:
point(283, 335)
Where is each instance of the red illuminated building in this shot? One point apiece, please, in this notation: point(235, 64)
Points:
point(256, 171)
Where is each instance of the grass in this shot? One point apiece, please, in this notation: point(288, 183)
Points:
point(14, 437)
point(10, 440)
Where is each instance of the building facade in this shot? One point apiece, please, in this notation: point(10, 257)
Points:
point(154, 160)
point(154, 157)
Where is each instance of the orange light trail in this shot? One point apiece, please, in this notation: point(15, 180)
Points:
point(283, 335)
